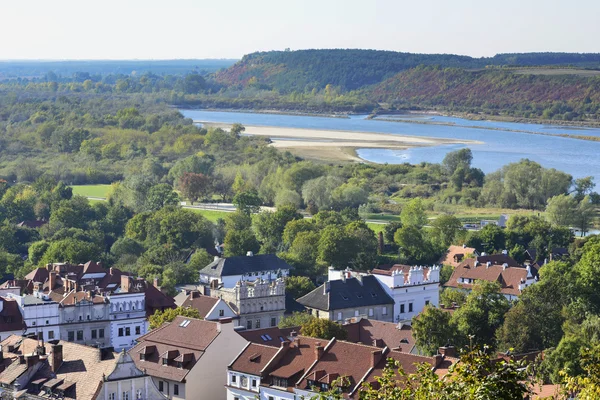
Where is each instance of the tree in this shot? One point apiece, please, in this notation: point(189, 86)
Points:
point(336, 247)
point(482, 314)
point(583, 187)
point(159, 196)
point(72, 251)
point(238, 243)
point(584, 215)
point(303, 254)
point(456, 159)
point(432, 329)
point(414, 247)
point(126, 245)
point(492, 238)
point(319, 191)
point(323, 329)
point(160, 317)
point(295, 320)
point(237, 129)
point(298, 286)
point(451, 296)
point(247, 202)
point(413, 214)
point(445, 229)
point(390, 230)
point(269, 226)
point(561, 210)
point(194, 186)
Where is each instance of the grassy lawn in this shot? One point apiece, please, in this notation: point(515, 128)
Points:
point(376, 227)
point(91, 190)
point(381, 217)
point(210, 215)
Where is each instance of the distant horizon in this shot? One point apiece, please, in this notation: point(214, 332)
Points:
point(266, 51)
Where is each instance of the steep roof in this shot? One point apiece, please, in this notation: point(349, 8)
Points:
point(10, 316)
point(241, 265)
point(253, 358)
point(298, 359)
point(172, 340)
point(347, 293)
point(455, 254)
point(272, 336)
point(201, 303)
point(509, 277)
point(381, 334)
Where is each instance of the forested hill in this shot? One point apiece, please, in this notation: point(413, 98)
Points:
point(520, 93)
point(348, 69)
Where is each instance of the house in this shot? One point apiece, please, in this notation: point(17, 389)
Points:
point(11, 319)
point(411, 288)
point(209, 308)
point(395, 336)
point(303, 366)
point(188, 358)
point(34, 369)
point(455, 254)
point(500, 268)
point(87, 304)
point(344, 298)
point(253, 285)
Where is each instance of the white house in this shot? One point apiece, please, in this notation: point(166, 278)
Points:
point(40, 315)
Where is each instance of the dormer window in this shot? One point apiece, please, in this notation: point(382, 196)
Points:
point(165, 361)
point(142, 357)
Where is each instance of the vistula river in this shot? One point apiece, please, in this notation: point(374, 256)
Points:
point(501, 145)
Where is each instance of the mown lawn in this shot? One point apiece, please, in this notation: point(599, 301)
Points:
point(376, 227)
point(210, 215)
point(91, 190)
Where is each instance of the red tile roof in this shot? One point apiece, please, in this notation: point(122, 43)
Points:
point(298, 359)
point(456, 254)
point(201, 303)
point(253, 359)
point(269, 336)
point(10, 316)
point(381, 334)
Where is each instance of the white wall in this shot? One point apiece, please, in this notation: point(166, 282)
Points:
point(267, 392)
point(215, 314)
point(417, 295)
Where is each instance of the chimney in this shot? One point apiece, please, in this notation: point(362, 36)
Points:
point(464, 246)
point(250, 254)
point(375, 357)
point(40, 349)
point(110, 271)
point(32, 360)
point(125, 283)
point(285, 343)
point(56, 357)
point(448, 351)
point(380, 242)
point(1, 355)
point(318, 351)
point(326, 287)
point(51, 280)
point(156, 282)
point(438, 360)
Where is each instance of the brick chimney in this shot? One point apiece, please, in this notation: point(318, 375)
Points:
point(56, 357)
point(376, 357)
point(156, 282)
point(32, 360)
point(51, 280)
point(318, 351)
point(448, 351)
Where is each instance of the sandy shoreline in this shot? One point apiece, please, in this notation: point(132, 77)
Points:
point(336, 145)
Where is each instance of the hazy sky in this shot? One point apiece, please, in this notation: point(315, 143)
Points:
point(166, 29)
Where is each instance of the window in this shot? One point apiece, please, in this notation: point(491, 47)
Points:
point(88, 317)
point(79, 335)
point(10, 320)
point(273, 321)
point(370, 312)
point(139, 394)
point(253, 383)
point(233, 378)
point(257, 323)
point(271, 398)
point(249, 325)
point(47, 322)
point(125, 395)
point(176, 389)
point(41, 335)
point(243, 381)
point(426, 302)
point(221, 313)
point(317, 313)
point(51, 335)
point(165, 361)
point(410, 307)
point(71, 336)
point(94, 333)
point(120, 331)
point(401, 308)
point(138, 330)
point(111, 396)
point(279, 382)
point(161, 386)
point(128, 331)
point(339, 316)
point(384, 311)
point(101, 333)
point(142, 357)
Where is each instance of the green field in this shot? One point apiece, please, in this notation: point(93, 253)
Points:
point(376, 227)
point(91, 190)
point(210, 215)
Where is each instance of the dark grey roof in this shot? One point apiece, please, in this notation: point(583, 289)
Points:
point(348, 294)
point(241, 265)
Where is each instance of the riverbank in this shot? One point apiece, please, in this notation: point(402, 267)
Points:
point(336, 145)
point(273, 111)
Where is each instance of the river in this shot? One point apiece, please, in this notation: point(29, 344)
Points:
point(501, 145)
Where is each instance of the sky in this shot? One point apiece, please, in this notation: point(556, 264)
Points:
point(186, 29)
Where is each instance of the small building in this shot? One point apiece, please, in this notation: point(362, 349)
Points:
point(456, 254)
point(188, 358)
point(11, 319)
point(395, 336)
point(338, 300)
point(209, 308)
